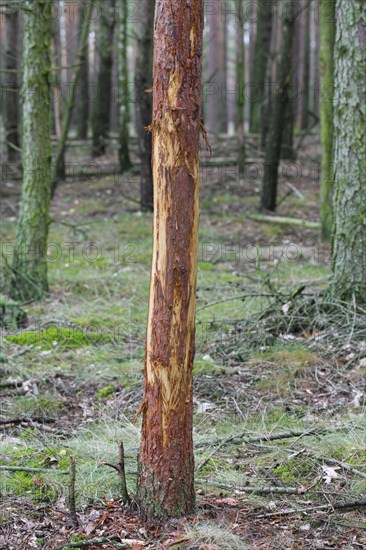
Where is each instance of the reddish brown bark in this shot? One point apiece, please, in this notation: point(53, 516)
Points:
point(165, 483)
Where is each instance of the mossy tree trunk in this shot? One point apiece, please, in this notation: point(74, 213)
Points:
point(278, 112)
point(261, 58)
point(82, 99)
point(102, 101)
point(58, 171)
point(327, 37)
point(165, 480)
point(29, 268)
point(349, 245)
point(11, 94)
point(240, 84)
point(123, 151)
point(143, 103)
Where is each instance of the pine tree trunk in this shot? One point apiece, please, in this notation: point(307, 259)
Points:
point(143, 103)
point(349, 245)
point(240, 84)
point(58, 171)
point(102, 102)
point(214, 73)
point(305, 87)
point(278, 112)
point(82, 99)
point(11, 95)
point(124, 154)
point(57, 75)
point(327, 36)
point(165, 481)
point(29, 269)
point(260, 61)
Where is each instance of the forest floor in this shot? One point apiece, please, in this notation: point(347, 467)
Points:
point(279, 406)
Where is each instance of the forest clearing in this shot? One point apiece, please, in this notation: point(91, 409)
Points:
point(103, 441)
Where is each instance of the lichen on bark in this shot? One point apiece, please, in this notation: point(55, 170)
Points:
point(349, 242)
point(29, 268)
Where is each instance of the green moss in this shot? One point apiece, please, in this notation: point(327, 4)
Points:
point(105, 392)
point(60, 337)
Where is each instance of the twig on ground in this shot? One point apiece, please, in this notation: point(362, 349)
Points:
point(21, 420)
point(120, 469)
point(256, 490)
point(71, 493)
point(92, 542)
point(335, 506)
point(32, 470)
point(343, 465)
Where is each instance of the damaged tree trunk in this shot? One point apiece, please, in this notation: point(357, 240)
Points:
point(165, 480)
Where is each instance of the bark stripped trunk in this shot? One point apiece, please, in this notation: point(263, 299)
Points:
point(102, 102)
point(327, 37)
point(11, 95)
point(165, 482)
point(123, 150)
point(349, 244)
point(143, 104)
point(278, 112)
point(29, 268)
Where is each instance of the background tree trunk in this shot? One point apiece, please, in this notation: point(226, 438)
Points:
point(305, 88)
point(102, 102)
point(240, 84)
point(327, 36)
point(143, 104)
point(165, 481)
point(82, 99)
point(58, 172)
point(278, 111)
point(214, 73)
point(29, 269)
point(349, 247)
point(11, 95)
point(261, 57)
point(123, 151)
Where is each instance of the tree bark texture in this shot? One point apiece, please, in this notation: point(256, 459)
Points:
point(29, 269)
point(349, 244)
point(165, 480)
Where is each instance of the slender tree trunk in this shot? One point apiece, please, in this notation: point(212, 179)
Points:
point(240, 84)
point(223, 47)
point(11, 95)
point(124, 154)
point(82, 99)
point(214, 73)
point(165, 480)
point(58, 172)
point(102, 103)
point(143, 104)
point(261, 57)
point(349, 246)
point(29, 269)
point(327, 36)
point(56, 76)
point(278, 112)
point(306, 70)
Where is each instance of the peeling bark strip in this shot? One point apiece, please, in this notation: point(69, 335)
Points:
point(165, 483)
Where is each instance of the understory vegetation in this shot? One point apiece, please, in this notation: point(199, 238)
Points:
point(279, 406)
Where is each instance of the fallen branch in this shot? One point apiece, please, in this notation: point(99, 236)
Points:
point(344, 465)
point(71, 493)
point(284, 221)
point(335, 506)
point(22, 420)
point(32, 470)
point(92, 542)
point(256, 490)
